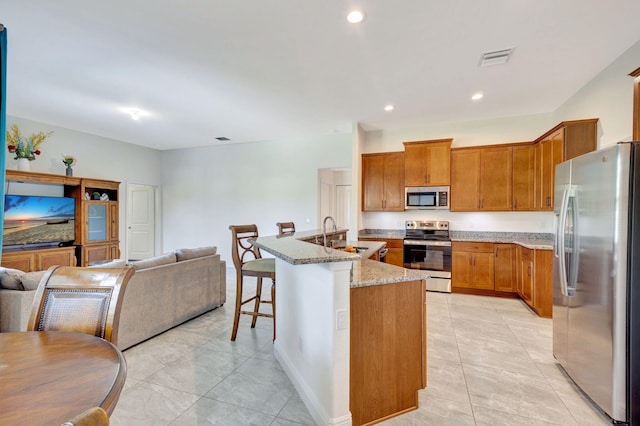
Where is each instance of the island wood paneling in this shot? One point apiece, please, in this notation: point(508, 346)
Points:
point(388, 362)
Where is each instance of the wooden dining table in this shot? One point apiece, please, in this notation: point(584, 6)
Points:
point(48, 377)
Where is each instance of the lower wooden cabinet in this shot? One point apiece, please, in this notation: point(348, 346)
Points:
point(395, 250)
point(472, 265)
point(505, 271)
point(39, 260)
point(534, 271)
point(95, 253)
point(498, 269)
point(388, 355)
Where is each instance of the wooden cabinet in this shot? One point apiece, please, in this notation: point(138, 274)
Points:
point(550, 154)
point(525, 274)
point(567, 140)
point(388, 350)
point(496, 178)
point(481, 179)
point(534, 271)
point(427, 163)
point(40, 259)
point(504, 271)
point(472, 265)
point(96, 222)
point(524, 177)
point(383, 182)
point(395, 250)
point(99, 220)
point(465, 180)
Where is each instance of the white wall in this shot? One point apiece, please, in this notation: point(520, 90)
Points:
point(609, 97)
point(97, 157)
point(207, 189)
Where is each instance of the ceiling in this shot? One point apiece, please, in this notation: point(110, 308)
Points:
point(268, 69)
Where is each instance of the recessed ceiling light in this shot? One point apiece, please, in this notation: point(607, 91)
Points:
point(135, 113)
point(477, 96)
point(388, 108)
point(356, 16)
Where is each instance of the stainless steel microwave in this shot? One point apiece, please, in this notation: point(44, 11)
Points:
point(426, 198)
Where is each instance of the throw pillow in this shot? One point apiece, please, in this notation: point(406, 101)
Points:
point(186, 254)
point(11, 279)
point(31, 280)
point(154, 261)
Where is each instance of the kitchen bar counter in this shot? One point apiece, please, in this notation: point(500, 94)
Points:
point(339, 317)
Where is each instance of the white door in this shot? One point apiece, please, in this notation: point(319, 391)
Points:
point(343, 206)
point(140, 221)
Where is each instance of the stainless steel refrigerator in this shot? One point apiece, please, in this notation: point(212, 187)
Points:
point(596, 287)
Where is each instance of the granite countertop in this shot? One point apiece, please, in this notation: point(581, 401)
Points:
point(369, 272)
point(292, 249)
point(539, 241)
point(531, 240)
point(384, 234)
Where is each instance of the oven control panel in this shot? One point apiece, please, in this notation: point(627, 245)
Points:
point(441, 225)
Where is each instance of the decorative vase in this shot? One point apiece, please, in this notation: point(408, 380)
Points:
point(23, 164)
point(69, 171)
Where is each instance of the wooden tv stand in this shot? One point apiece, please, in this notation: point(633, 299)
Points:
point(39, 259)
point(96, 221)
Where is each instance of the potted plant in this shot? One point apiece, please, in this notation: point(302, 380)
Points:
point(95, 195)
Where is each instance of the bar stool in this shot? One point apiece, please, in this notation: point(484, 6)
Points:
point(285, 228)
point(249, 263)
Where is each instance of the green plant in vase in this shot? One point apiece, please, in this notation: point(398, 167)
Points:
point(69, 160)
point(22, 146)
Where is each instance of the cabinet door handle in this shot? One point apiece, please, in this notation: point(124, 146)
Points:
point(428, 178)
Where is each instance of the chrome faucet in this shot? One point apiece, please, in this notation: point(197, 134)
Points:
point(324, 229)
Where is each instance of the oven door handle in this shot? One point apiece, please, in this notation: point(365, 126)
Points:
point(427, 243)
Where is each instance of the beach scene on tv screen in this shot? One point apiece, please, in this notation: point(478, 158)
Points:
point(38, 220)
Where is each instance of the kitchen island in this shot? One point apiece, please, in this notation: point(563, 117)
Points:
point(351, 332)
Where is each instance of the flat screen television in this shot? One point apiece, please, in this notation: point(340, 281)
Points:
point(38, 221)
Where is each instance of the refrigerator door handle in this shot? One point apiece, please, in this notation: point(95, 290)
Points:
point(573, 256)
point(560, 236)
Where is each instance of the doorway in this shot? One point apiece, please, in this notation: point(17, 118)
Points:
point(141, 221)
point(335, 196)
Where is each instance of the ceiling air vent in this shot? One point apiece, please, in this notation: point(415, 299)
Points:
point(495, 58)
point(223, 139)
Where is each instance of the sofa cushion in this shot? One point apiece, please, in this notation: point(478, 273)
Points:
point(117, 263)
point(164, 259)
point(11, 279)
point(186, 254)
point(31, 280)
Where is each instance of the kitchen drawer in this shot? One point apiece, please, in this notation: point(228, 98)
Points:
point(470, 246)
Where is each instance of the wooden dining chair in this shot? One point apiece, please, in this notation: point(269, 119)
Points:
point(84, 300)
point(286, 228)
point(248, 262)
point(94, 416)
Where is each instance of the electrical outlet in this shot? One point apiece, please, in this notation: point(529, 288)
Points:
point(341, 319)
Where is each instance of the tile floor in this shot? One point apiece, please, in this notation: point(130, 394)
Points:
point(489, 363)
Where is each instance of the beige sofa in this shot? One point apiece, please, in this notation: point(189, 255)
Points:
point(164, 291)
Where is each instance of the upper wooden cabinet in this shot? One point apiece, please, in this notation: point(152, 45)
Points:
point(427, 163)
point(383, 181)
point(481, 178)
point(524, 177)
point(567, 140)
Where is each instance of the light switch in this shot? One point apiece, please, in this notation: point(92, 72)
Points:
point(341, 319)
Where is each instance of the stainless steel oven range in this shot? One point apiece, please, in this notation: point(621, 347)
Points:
point(427, 246)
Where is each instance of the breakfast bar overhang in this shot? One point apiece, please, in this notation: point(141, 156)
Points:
point(351, 332)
